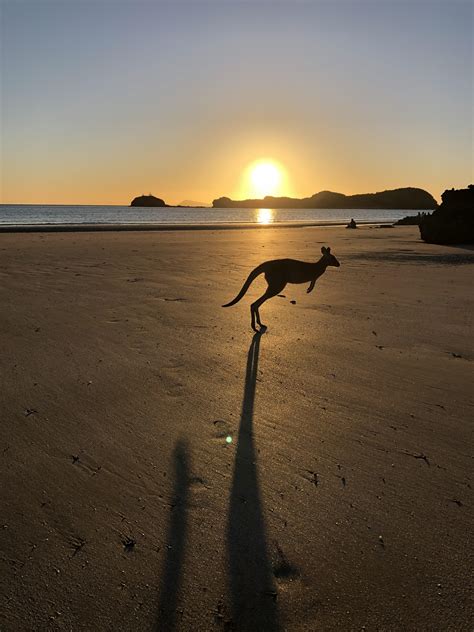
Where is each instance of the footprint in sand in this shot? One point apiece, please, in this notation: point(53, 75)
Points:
point(170, 377)
point(311, 477)
point(222, 431)
point(196, 483)
point(282, 569)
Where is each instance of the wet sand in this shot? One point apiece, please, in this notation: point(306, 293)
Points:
point(163, 468)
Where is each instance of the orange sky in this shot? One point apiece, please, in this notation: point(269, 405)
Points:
point(104, 101)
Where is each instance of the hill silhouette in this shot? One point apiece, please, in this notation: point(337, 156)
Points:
point(404, 198)
point(148, 200)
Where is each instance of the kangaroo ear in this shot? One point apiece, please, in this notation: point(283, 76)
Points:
point(324, 250)
point(328, 249)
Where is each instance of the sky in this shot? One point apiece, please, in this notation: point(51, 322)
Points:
point(103, 100)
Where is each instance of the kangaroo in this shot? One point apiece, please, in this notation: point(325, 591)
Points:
point(278, 273)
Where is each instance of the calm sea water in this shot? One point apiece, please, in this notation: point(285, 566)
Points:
point(42, 214)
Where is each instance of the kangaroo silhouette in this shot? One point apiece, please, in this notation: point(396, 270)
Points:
point(278, 273)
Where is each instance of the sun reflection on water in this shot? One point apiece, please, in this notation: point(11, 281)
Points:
point(264, 216)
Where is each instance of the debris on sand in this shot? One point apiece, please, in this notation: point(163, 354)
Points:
point(315, 480)
point(77, 545)
point(128, 544)
point(419, 455)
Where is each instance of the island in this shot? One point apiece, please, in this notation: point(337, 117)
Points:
point(405, 198)
point(453, 221)
point(148, 200)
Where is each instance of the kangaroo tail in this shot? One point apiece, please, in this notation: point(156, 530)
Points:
point(253, 275)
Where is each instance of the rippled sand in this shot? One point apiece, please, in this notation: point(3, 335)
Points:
point(162, 468)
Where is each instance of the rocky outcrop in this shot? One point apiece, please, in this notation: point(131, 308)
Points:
point(222, 202)
point(411, 220)
point(405, 198)
point(148, 200)
point(453, 221)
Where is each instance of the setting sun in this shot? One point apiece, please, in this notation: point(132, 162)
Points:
point(264, 177)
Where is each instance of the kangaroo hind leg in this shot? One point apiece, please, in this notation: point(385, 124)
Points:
point(272, 290)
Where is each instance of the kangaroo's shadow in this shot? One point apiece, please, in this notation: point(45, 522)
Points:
point(252, 584)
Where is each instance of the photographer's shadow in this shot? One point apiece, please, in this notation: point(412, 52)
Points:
point(253, 590)
point(170, 588)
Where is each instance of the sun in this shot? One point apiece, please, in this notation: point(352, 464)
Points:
point(265, 178)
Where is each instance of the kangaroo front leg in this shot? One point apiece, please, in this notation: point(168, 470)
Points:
point(311, 286)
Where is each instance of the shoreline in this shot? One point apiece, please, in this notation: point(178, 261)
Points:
point(72, 228)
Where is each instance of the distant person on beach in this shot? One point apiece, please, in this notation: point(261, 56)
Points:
point(351, 224)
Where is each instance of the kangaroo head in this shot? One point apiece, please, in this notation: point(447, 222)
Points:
point(328, 258)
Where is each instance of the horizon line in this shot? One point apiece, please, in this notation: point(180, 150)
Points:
point(216, 198)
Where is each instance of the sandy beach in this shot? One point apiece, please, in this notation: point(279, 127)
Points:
point(164, 469)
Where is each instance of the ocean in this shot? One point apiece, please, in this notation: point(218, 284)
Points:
point(39, 214)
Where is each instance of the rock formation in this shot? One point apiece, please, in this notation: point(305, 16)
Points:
point(147, 200)
point(411, 220)
point(453, 220)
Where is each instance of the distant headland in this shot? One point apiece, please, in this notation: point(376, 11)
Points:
point(405, 198)
point(409, 198)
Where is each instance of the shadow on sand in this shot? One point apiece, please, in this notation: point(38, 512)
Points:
point(175, 542)
point(446, 258)
point(252, 584)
